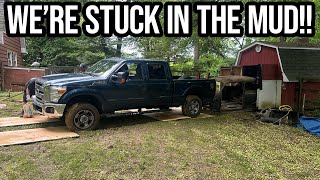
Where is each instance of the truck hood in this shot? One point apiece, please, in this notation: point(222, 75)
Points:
point(70, 79)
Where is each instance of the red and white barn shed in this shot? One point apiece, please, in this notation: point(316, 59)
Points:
point(289, 75)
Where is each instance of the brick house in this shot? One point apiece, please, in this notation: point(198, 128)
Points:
point(11, 48)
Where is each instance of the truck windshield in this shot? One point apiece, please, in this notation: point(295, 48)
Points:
point(101, 67)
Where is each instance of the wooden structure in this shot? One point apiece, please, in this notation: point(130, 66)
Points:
point(288, 75)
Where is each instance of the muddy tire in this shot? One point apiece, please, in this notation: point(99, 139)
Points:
point(192, 106)
point(82, 117)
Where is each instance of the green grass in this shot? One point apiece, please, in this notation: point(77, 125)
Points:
point(225, 146)
point(13, 100)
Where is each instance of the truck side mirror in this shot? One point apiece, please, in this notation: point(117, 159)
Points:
point(120, 77)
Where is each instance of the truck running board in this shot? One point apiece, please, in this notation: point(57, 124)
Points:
point(134, 112)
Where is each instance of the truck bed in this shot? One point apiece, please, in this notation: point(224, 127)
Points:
point(205, 87)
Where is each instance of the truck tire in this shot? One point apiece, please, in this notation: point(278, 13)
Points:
point(192, 106)
point(82, 117)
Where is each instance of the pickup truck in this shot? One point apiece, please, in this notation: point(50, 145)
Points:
point(119, 84)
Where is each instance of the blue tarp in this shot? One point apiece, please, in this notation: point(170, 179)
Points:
point(310, 124)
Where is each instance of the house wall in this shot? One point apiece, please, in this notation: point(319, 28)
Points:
point(10, 44)
point(15, 78)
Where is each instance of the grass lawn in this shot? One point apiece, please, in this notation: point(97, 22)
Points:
point(13, 100)
point(226, 146)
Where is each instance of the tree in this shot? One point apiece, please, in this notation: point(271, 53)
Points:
point(58, 51)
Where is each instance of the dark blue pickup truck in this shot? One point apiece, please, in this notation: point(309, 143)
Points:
point(119, 84)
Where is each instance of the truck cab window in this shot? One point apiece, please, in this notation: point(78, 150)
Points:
point(156, 71)
point(123, 68)
point(134, 70)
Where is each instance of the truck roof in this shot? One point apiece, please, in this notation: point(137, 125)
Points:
point(134, 59)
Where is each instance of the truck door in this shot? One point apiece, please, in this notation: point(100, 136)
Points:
point(159, 85)
point(131, 94)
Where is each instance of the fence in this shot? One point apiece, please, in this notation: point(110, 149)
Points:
point(15, 78)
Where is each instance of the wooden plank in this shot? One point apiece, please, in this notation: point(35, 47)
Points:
point(35, 135)
point(173, 115)
point(17, 121)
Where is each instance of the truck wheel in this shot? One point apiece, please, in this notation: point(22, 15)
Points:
point(192, 106)
point(82, 116)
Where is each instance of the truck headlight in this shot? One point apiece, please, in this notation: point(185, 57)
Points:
point(56, 92)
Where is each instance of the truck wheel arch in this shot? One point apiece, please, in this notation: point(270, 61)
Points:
point(85, 99)
point(193, 90)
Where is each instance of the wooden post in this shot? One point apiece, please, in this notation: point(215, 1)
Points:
point(299, 97)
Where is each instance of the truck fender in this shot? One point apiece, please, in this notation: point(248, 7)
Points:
point(65, 99)
point(193, 90)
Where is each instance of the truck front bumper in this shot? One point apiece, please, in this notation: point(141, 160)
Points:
point(49, 109)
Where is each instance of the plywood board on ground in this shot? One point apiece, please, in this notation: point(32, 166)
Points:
point(17, 121)
point(173, 115)
point(2, 106)
point(35, 135)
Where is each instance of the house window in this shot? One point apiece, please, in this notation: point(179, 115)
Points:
point(15, 59)
point(9, 58)
point(12, 58)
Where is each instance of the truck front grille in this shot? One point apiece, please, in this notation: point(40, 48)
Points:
point(40, 91)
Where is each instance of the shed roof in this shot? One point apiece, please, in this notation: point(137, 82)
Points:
point(295, 62)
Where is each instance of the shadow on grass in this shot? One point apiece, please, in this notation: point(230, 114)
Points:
point(124, 120)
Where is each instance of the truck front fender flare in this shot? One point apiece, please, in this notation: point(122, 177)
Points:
point(77, 93)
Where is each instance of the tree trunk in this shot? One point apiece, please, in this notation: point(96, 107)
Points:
point(103, 45)
point(119, 46)
point(196, 56)
point(283, 40)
